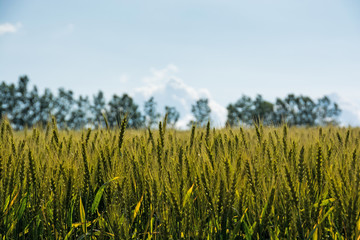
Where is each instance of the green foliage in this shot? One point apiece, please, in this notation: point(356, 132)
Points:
point(201, 112)
point(26, 107)
point(121, 106)
point(98, 108)
point(293, 110)
point(173, 115)
point(150, 112)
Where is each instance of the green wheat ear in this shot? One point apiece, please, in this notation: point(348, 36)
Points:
point(1, 167)
point(122, 132)
point(291, 186)
point(165, 121)
point(319, 167)
point(54, 124)
point(284, 139)
point(106, 121)
point(301, 166)
point(192, 136)
point(258, 134)
point(88, 133)
point(207, 136)
point(32, 170)
point(251, 183)
point(243, 137)
point(161, 135)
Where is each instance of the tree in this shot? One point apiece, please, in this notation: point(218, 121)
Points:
point(23, 107)
point(33, 107)
point(201, 112)
point(232, 116)
point(19, 112)
point(306, 115)
point(151, 116)
point(3, 91)
point(327, 111)
point(241, 112)
point(115, 110)
point(281, 111)
point(286, 110)
point(79, 115)
point(46, 106)
point(295, 111)
point(121, 106)
point(8, 99)
point(173, 115)
point(98, 108)
point(263, 111)
point(63, 105)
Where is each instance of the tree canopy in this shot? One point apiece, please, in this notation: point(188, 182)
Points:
point(24, 106)
point(201, 112)
point(293, 110)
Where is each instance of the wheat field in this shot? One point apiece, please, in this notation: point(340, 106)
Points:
point(245, 183)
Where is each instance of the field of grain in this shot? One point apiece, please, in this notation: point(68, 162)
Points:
point(244, 183)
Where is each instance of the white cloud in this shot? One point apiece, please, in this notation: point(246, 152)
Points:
point(160, 75)
point(170, 90)
point(9, 28)
point(350, 114)
point(184, 120)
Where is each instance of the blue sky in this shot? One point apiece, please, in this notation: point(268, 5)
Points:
point(182, 50)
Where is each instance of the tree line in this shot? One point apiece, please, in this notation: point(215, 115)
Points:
point(25, 107)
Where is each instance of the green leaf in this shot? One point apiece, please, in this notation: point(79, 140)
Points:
point(270, 199)
point(68, 235)
point(99, 194)
point(8, 206)
point(7, 201)
point(238, 223)
point(82, 216)
point(317, 225)
point(327, 201)
point(188, 194)
point(70, 213)
point(137, 208)
point(22, 207)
